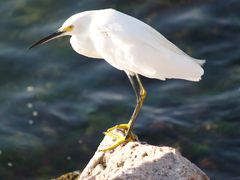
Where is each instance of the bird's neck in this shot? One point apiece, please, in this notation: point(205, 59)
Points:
point(84, 46)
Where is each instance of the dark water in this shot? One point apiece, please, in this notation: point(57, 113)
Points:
point(54, 103)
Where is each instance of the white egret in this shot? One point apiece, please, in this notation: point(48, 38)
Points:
point(130, 45)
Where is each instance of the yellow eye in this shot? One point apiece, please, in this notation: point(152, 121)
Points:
point(68, 28)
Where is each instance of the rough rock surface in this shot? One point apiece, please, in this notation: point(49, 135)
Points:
point(69, 176)
point(135, 160)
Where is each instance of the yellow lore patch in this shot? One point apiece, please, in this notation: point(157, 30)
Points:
point(68, 28)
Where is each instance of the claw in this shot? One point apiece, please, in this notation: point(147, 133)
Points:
point(120, 139)
point(119, 126)
point(115, 136)
point(114, 145)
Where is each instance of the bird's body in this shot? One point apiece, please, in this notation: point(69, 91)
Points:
point(130, 45)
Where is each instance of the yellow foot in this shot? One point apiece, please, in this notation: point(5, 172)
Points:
point(120, 139)
point(125, 127)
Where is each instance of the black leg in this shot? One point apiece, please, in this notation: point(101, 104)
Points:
point(141, 94)
point(134, 83)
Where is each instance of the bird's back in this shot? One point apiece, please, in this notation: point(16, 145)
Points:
point(133, 46)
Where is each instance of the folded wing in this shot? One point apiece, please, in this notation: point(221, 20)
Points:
point(133, 46)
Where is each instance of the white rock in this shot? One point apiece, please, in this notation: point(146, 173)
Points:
point(136, 161)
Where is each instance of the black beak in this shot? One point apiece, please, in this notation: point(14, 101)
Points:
point(47, 39)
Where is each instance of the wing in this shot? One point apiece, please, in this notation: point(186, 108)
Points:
point(133, 46)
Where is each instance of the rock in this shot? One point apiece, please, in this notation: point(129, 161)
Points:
point(136, 160)
point(69, 176)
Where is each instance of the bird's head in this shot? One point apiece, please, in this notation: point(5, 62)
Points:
point(70, 27)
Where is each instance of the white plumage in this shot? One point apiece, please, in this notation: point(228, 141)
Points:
point(130, 45)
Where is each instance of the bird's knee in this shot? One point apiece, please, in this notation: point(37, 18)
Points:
point(143, 93)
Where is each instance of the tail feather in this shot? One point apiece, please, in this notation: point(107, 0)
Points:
point(200, 61)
